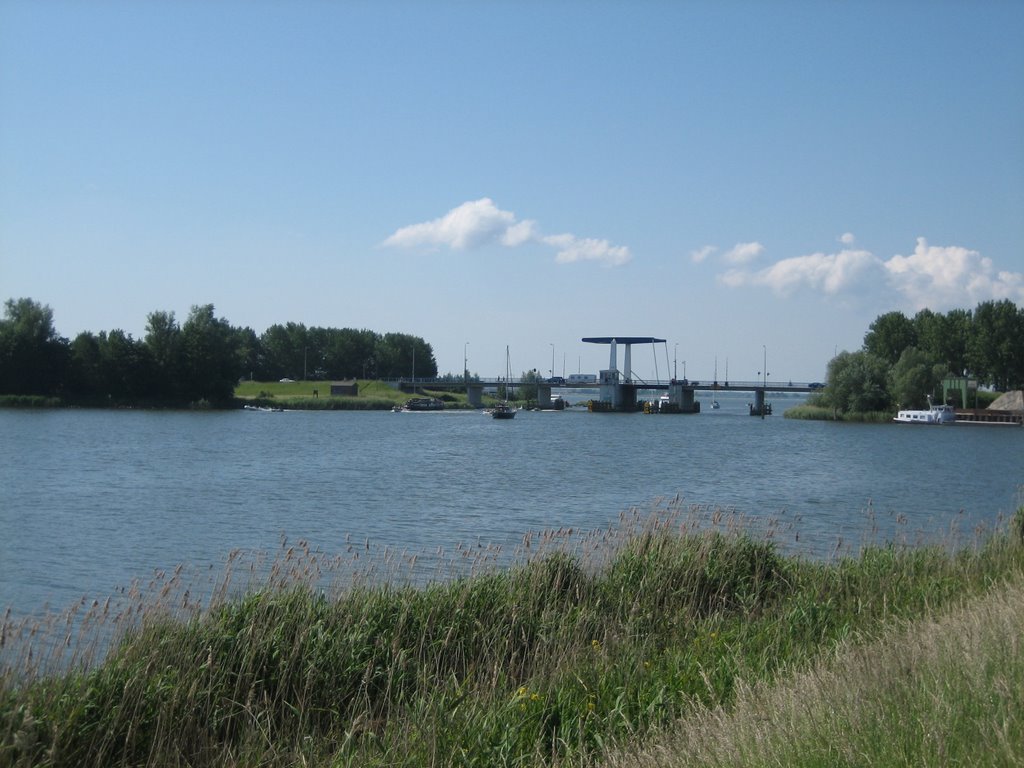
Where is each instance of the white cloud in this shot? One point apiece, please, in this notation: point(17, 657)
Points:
point(469, 225)
point(572, 249)
point(941, 277)
point(480, 222)
point(702, 254)
point(519, 233)
point(847, 238)
point(827, 273)
point(936, 277)
point(743, 253)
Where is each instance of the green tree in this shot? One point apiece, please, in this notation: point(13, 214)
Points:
point(914, 378)
point(85, 373)
point(527, 390)
point(857, 382)
point(210, 364)
point(350, 353)
point(163, 340)
point(401, 355)
point(283, 347)
point(33, 358)
point(249, 350)
point(126, 370)
point(996, 346)
point(889, 335)
point(944, 337)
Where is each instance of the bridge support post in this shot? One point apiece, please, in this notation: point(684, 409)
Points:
point(543, 395)
point(682, 397)
point(475, 394)
point(759, 406)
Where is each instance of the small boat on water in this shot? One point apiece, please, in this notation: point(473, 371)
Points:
point(714, 403)
point(264, 408)
point(936, 414)
point(505, 410)
point(424, 404)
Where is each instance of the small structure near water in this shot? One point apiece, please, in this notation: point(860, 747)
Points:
point(348, 388)
point(1008, 408)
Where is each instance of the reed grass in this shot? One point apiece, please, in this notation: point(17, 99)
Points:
point(932, 692)
point(810, 412)
point(575, 645)
point(28, 401)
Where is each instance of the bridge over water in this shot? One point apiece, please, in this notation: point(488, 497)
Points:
point(618, 390)
point(456, 385)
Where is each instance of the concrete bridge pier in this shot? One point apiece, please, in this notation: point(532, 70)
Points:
point(543, 394)
point(475, 394)
point(682, 397)
point(759, 406)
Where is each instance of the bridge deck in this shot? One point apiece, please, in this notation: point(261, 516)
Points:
point(697, 386)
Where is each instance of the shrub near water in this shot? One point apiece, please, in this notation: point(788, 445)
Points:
point(545, 662)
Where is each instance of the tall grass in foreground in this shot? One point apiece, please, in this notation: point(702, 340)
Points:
point(553, 660)
point(935, 692)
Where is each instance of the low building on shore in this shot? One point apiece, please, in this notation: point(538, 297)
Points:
point(348, 388)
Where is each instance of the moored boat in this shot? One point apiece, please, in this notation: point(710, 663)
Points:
point(505, 410)
point(424, 404)
point(935, 414)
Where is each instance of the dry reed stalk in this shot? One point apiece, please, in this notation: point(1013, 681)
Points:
point(890, 701)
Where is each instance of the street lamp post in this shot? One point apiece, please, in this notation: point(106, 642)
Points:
point(552, 358)
point(764, 363)
point(675, 362)
point(465, 363)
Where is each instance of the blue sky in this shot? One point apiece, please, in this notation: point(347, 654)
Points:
point(738, 178)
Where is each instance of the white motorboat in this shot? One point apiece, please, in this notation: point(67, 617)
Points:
point(936, 414)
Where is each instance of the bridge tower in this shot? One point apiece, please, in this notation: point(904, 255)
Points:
point(618, 390)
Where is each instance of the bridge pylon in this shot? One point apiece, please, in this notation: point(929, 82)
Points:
point(618, 391)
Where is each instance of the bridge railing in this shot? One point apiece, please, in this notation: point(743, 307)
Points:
point(701, 384)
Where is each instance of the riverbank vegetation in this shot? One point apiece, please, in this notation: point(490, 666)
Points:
point(904, 360)
point(675, 638)
point(199, 361)
point(373, 395)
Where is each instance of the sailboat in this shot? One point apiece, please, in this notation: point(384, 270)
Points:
point(503, 410)
point(714, 402)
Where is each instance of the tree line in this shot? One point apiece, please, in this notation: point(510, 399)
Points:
point(201, 359)
point(903, 359)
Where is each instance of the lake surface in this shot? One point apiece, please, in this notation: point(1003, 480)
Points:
point(91, 501)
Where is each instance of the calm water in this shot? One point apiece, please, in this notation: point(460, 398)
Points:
point(91, 500)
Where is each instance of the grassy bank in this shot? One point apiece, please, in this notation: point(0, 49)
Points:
point(316, 395)
point(28, 401)
point(574, 651)
point(820, 413)
point(932, 692)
